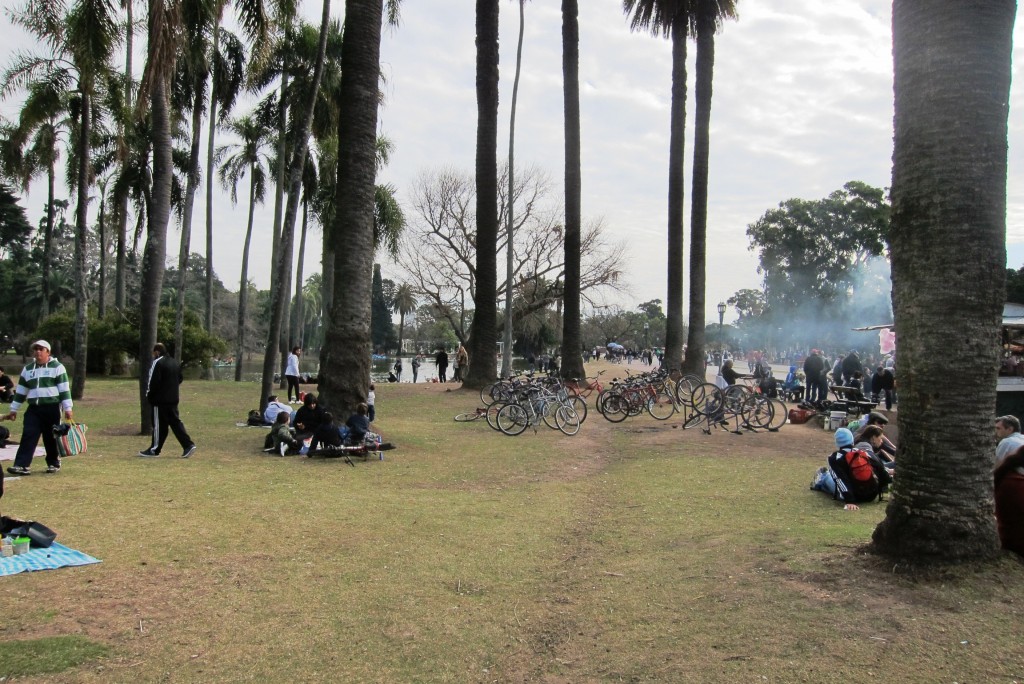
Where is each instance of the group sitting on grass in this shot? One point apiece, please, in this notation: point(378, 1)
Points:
point(313, 430)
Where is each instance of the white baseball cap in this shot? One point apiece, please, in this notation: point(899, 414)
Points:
point(41, 343)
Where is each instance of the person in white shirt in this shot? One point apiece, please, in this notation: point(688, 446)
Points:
point(274, 407)
point(291, 373)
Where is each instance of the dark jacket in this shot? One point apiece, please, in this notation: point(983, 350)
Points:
point(358, 426)
point(814, 367)
point(851, 364)
point(308, 418)
point(163, 383)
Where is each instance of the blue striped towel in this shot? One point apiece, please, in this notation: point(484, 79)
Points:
point(57, 556)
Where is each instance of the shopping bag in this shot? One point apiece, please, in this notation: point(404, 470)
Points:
point(71, 438)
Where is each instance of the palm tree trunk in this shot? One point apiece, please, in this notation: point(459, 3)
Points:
point(155, 253)
point(506, 347)
point(120, 277)
point(243, 284)
point(278, 291)
point(483, 337)
point(82, 246)
point(705, 66)
point(48, 237)
point(572, 342)
point(101, 299)
point(948, 188)
point(676, 192)
point(209, 178)
point(295, 330)
point(186, 214)
point(345, 357)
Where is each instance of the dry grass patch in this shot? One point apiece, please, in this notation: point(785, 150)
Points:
point(634, 552)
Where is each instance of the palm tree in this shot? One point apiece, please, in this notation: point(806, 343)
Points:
point(403, 303)
point(483, 337)
point(81, 40)
point(160, 60)
point(710, 14)
point(30, 149)
point(345, 361)
point(309, 186)
point(673, 19)
point(250, 157)
point(282, 267)
point(506, 355)
point(952, 80)
point(572, 342)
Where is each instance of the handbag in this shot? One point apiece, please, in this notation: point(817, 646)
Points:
point(71, 438)
point(40, 535)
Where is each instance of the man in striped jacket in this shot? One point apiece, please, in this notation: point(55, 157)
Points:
point(44, 386)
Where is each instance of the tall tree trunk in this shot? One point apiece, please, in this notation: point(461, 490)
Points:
point(155, 253)
point(676, 192)
point(82, 246)
point(209, 176)
point(101, 299)
point(243, 284)
point(278, 291)
point(483, 336)
point(327, 281)
point(705, 66)
point(186, 214)
point(295, 330)
point(951, 85)
point(572, 342)
point(48, 237)
point(120, 276)
point(345, 356)
point(506, 347)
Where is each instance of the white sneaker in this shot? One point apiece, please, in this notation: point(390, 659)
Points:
point(284, 448)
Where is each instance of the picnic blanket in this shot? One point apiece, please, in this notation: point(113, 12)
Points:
point(8, 452)
point(57, 556)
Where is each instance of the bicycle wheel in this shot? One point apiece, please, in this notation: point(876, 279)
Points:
point(568, 420)
point(513, 419)
point(757, 411)
point(691, 417)
point(469, 416)
point(707, 399)
point(492, 414)
point(685, 387)
point(780, 415)
point(614, 407)
point(486, 395)
point(661, 405)
point(547, 411)
point(579, 404)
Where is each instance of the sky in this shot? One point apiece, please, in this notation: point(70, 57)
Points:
point(802, 104)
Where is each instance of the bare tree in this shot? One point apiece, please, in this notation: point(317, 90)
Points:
point(438, 250)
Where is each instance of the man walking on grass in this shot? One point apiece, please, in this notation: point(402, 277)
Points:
point(162, 395)
point(44, 386)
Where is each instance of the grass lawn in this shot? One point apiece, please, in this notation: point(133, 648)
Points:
point(630, 552)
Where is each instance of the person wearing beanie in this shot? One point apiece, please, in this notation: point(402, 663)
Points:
point(837, 479)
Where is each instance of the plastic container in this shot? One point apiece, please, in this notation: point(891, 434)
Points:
point(836, 420)
point(7, 548)
point(22, 545)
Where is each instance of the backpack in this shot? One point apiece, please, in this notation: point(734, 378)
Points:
point(255, 418)
point(858, 476)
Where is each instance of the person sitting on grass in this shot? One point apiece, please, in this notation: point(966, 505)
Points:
point(309, 416)
point(358, 424)
point(281, 435)
point(851, 475)
point(327, 435)
point(872, 440)
point(275, 407)
point(886, 452)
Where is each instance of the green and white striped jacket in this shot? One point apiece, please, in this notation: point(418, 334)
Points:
point(46, 384)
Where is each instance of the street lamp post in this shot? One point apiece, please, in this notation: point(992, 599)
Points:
point(721, 345)
point(647, 335)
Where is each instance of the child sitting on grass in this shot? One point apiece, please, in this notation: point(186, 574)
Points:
point(281, 434)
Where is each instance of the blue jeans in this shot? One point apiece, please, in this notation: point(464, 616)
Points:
point(825, 483)
point(39, 422)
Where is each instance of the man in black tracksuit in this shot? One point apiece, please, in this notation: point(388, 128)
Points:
point(162, 395)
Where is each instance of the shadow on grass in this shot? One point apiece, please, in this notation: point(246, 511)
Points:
point(47, 655)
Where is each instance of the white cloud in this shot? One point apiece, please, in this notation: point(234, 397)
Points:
point(802, 104)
